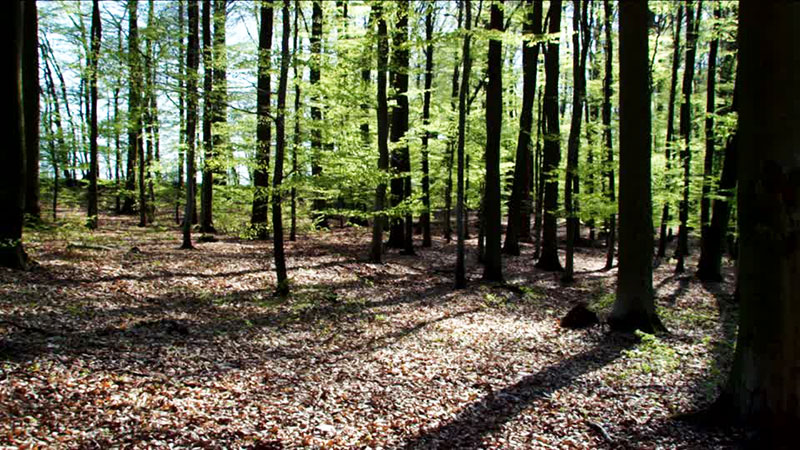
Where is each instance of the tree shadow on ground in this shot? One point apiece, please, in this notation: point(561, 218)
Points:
point(488, 414)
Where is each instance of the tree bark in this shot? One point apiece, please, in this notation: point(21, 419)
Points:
point(207, 193)
point(519, 203)
point(461, 272)
point(608, 81)
point(763, 389)
point(318, 205)
point(296, 144)
point(192, 63)
point(12, 171)
point(548, 259)
point(425, 218)
point(493, 265)
point(96, 33)
point(258, 219)
point(634, 307)
point(282, 288)
point(379, 221)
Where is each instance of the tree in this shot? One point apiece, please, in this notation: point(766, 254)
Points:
point(282, 288)
point(520, 202)
point(461, 271)
point(379, 221)
point(258, 218)
point(425, 218)
point(634, 306)
point(493, 266)
point(30, 100)
point(580, 47)
point(219, 95)
point(296, 144)
point(94, 55)
point(685, 130)
point(207, 192)
point(318, 205)
point(12, 171)
point(400, 233)
point(608, 80)
point(673, 87)
point(192, 63)
point(763, 389)
point(451, 143)
point(548, 259)
point(135, 139)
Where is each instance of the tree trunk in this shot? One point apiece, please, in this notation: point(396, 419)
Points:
point(451, 144)
point(258, 219)
point(282, 288)
point(461, 273)
point(685, 130)
point(318, 205)
point(30, 100)
point(763, 389)
point(192, 63)
point(580, 47)
point(634, 307)
point(219, 92)
point(12, 181)
point(296, 144)
point(548, 259)
point(181, 111)
point(673, 87)
point(425, 218)
point(538, 180)
point(207, 193)
point(135, 139)
point(493, 267)
point(379, 221)
point(519, 203)
point(94, 56)
point(608, 81)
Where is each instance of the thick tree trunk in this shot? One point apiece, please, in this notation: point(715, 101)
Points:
point(518, 225)
point(493, 267)
point(548, 259)
point(379, 221)
point(30, 100)
point(634, 307)
point(96, 33)
point(461, 272)
point(258, 219)
point(192, 63)
point(763, 389)
point(685, 130)
point(12, 171)
point(673, 88)
point(282, 287)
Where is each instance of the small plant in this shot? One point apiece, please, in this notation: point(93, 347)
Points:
point(653, 355)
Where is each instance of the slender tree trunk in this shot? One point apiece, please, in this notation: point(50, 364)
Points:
point(12, 181)
point(425, 218)
point(149, 113)
point(55, 117)
point(493, 267)
point(580, 47)
point(519, 204)
point(461, 272)
point(673, 87)
point(548, 259)
point(30, 100)
point(379, 221)
point(538, 179)
point(763, 389)
point(451, 144)
point(207, 192)
point(296, 145)
point(685, 130)
point(634, 306)
point(318, 205)
point(135, 142)
point(96, 33)
point(192, 63)
point(181, 111)
point(219, 96)
point(258, 218)
point(608, 81)
point(280, 145)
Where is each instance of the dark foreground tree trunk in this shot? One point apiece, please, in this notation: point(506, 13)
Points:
point(12, 171)
point(634, 307)
point(493, 266)
point(207, 188)
point(608, 79)
point(461, 270)
point(763, 389)
point(548, 259)
point(94, 55)
point(379, 221)
point(425, 218)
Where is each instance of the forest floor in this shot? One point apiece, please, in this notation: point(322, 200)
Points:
point(118, 338)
